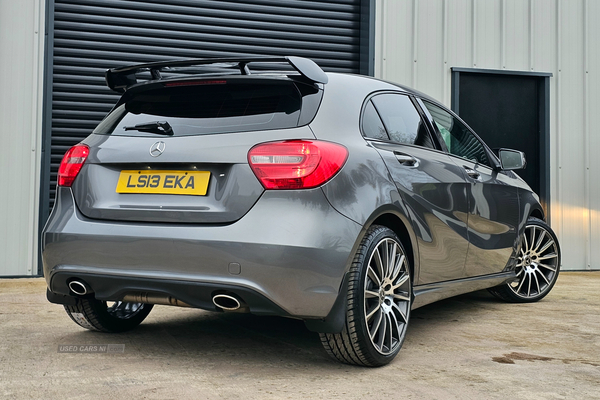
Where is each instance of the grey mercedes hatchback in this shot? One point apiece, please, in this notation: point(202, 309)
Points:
point(337, 199)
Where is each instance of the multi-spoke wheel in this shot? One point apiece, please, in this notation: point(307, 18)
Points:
point(379, 301)
point(387, 296)
point(538, 264)
point(101, 316)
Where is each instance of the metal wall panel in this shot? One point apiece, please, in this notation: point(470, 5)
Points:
point(571, 188)
point(90, 36)
point(21, 63)
point(486, 30)
point(397, 52)
point(427, 65)
point(592, 122)
point(417, 42)
point(515, 16)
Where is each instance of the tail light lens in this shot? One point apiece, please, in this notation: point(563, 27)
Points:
point(296, 164)
point(71, 164)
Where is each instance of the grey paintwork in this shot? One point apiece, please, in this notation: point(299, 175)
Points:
point(492, 221)
point(294, 247)
point(433, 190)
point(233, 188)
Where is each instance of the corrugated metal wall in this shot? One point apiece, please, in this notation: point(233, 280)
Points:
point(21, 66)
point(418, 41)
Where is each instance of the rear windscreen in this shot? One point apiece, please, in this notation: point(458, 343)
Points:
point(208, 107)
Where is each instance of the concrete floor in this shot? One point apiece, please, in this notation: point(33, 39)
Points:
point(468, 347)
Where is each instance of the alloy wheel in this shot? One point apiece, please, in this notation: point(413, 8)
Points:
point(123, 310)
point(387, 296)
point(537, 263)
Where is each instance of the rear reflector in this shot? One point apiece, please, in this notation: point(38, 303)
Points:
point(71, 164)
point(296, 164)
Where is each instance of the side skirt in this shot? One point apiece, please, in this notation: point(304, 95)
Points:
point(432, 292)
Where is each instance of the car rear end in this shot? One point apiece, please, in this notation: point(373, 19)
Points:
point(199, 187)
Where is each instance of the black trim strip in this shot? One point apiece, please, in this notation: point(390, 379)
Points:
point(432, 292)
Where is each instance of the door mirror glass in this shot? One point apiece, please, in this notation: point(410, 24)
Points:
point(512, 159)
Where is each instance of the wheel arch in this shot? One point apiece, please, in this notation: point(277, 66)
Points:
point(395, 223)
point(392, 217)
point(537, 213)
point(530, 206)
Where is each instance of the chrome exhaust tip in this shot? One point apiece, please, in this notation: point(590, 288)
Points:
point(79, 288)
point(227, 302)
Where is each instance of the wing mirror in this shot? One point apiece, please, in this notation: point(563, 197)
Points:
point(512, 159)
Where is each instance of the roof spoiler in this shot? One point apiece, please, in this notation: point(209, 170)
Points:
point(120, 79)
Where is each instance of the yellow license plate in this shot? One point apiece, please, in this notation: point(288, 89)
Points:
point(164, 182)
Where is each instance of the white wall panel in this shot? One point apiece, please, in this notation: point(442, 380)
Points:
point(557, 36)
point(397, 53)
point(429, 65)
point(458, 40)
point(592, 117)
point(21, 58)
point(571, 138)
point(486, 25)
point(515, 34)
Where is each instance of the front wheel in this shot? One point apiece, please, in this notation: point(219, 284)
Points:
point(97, 315)
point(378, 305)
point(538, 264)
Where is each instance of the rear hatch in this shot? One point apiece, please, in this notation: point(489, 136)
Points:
point(176, 150)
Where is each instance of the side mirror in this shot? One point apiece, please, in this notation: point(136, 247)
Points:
point(512, 159)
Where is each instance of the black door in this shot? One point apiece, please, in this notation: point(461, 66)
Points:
point(509, 110)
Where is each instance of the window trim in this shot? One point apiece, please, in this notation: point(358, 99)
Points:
point(362, 118)
point(491, 156)
point(411, 97)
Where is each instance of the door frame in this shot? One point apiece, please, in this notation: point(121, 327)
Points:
point(543, 107)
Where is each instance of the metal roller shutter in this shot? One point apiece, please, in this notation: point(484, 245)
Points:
point(88, 36)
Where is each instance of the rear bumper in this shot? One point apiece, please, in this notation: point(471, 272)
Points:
point(286, 256)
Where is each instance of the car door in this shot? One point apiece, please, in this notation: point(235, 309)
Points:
point(431, 185)
point(493, 215)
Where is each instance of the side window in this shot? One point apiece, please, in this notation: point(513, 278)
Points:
point(371, 124)
point(458, 138)
point(402, 120)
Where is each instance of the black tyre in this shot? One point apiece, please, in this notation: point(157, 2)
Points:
point(101, 316)
point(538, 265)
point(379, 301)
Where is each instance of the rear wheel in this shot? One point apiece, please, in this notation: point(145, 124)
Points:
point(97, 315)
point(379, 301)
point(538, 264)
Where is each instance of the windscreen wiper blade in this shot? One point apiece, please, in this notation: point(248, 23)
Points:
point(158, 127)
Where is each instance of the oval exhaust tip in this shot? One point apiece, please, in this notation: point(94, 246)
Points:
point(79, 288)
point(226, 302)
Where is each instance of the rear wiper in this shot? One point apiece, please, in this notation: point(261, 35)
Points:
point(158, 127)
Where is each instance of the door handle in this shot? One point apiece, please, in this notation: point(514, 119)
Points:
point(406, 159)
point(472, 173)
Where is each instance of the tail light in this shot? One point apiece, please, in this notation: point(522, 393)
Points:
point(296, 164)
point(71, 164)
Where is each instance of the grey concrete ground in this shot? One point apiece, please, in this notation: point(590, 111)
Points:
point(469, 347)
